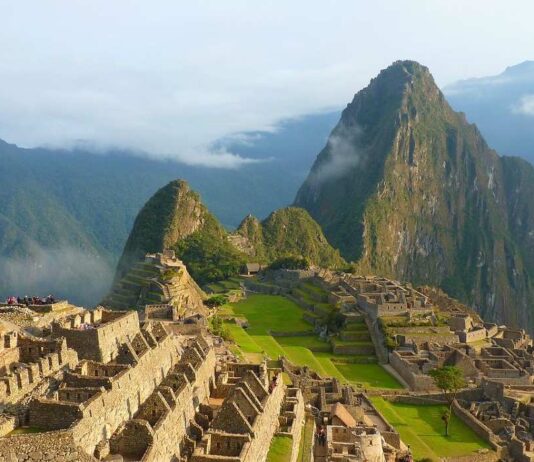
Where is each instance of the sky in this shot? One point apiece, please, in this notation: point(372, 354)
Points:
point(168, 78)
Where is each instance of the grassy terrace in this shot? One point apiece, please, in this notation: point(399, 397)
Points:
point(421, 427)
point(306, 441)
point(280, 449)
point(270, 314)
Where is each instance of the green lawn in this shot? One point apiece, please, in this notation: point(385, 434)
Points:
point(369, 375)
point(271, 312)
point(275, 313)
point(280, 449)
point(421, 427)
point(308, 341)
point(242, 338)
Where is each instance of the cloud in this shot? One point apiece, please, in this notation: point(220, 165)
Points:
point(218, 157)
point(67, 273)
point(343, 154)
point(524, 106)
point(167, 78)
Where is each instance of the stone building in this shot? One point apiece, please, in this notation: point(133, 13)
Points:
point(247, 418)
point(26, 361)
point(140, 406)
point(378, 296)
point(97, 334)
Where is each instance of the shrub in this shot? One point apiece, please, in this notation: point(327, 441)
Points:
point(290, 262)
point(169, 274)
point(217, 327)
point(216, 300)
point(209, 258)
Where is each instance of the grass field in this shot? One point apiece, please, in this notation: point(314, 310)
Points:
point(266, 313)
point(421, 427)
point(271, 312)
point(280, 449)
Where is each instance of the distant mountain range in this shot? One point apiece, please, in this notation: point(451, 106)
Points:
point(502, 106)
point(65, 216)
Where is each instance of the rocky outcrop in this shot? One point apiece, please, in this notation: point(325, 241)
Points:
point(407, 188)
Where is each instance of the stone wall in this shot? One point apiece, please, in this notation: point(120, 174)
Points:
point(349, 349)
point(265, 425)
point(38, 359)
point(248, 411)
point(101, 341)
point(128, 392)
point(296, 417)
point(473, 335)
point(7, 424)
point(489, 456)
point(171, 428)
point(517, 450)
point(49, 447)
point(476, 425)
point(418, 382)
point(8, 357)
point(97, 418)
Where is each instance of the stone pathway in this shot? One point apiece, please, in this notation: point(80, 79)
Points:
point(319, 452)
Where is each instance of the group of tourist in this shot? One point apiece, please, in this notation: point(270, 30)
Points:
point(320, 436)
point(30, 300)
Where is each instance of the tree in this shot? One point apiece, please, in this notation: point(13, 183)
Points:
point(216, 300)
point(450, 380)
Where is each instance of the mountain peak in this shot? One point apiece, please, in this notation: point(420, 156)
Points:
point(402, 72)
point(398, 184)
point(171, 214)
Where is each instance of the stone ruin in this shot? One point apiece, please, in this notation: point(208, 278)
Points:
point(158, 279)
point(103, 386)
point(354, 429)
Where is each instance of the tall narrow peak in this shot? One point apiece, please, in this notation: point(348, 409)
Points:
point(407, 188)
point(352, 163)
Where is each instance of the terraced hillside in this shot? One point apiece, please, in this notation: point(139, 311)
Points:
point(352, 336)
point(273, 326)
point(156, 280)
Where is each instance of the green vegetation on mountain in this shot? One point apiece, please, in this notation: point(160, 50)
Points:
point(175, 218)
point(208, 254)
point(406, 188)
point(287, 233)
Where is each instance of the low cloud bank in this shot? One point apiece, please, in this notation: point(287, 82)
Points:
point(66, 273)
point(525, 105)
point(343, 154)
